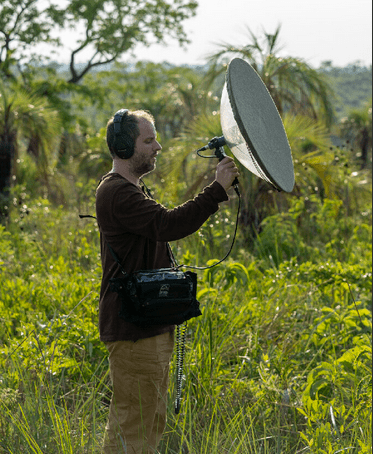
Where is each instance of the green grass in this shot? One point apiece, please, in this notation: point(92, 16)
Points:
point(278, 363)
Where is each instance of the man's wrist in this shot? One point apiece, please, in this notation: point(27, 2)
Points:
point(220, 191)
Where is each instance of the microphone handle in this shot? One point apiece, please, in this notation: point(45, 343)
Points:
point(220, 154)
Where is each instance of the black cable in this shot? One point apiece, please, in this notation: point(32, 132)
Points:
point(235, 186)
point(210, 156)
point(233, 241)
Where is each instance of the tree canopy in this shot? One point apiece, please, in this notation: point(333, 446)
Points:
point(110, 28)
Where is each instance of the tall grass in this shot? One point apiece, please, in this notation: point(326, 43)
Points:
point(46, 414)
point(278, 363)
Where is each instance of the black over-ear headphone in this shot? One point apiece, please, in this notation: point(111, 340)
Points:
point(123, 143)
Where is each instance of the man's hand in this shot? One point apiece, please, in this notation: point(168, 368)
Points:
point(226, 172)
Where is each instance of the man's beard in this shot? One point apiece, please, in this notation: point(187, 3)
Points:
point(141, 167)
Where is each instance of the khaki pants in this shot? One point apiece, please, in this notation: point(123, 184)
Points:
point(139, 373)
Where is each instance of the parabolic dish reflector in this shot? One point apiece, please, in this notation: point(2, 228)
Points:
point(252, 127)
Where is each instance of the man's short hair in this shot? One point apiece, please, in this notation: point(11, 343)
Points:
point(129, 130)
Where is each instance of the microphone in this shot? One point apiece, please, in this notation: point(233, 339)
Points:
point(216, 142)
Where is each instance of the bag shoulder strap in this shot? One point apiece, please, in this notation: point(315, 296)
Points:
point(116, 258)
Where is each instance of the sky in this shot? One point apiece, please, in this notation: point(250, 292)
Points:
point(318, 30)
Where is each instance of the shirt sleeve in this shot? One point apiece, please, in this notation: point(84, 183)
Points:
point(136, 213)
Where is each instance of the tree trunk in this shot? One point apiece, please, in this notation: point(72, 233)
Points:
point(7, 152)
point(364, 146)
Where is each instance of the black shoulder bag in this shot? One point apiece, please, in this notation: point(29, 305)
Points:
point(165, 296)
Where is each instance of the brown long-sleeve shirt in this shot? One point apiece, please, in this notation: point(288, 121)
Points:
point(138, 229)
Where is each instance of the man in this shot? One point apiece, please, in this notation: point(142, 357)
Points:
point(138, 229)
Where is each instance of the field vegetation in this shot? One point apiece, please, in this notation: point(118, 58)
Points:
point(278, 363)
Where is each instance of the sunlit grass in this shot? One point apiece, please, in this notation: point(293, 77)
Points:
point(278, 363)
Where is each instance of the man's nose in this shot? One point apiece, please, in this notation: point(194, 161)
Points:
point(158, 146)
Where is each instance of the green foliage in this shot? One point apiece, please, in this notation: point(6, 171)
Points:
point(110, 28)
point(352, 85)
point(356, 129)
point(339, 388)
point(313, 229)
point(25, 117)
point(23, 23)
point(278, 363)
point(260, 381)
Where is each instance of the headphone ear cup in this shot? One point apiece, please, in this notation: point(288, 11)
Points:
point(124, 146)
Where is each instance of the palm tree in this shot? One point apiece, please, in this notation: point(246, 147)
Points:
point(295, 86)
point(28, 118)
